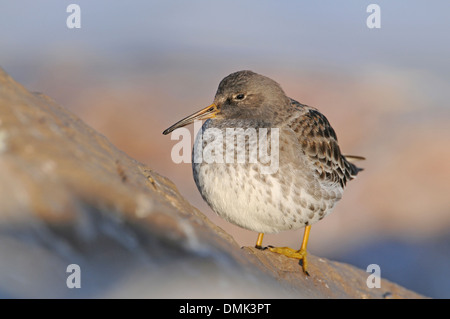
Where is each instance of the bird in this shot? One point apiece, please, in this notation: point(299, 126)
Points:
point(309, 172)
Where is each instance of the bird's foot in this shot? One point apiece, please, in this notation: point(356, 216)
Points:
point(292, 253)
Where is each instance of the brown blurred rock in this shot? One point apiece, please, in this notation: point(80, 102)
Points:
point(68, 196)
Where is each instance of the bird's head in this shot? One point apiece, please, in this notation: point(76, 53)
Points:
point(241, 95)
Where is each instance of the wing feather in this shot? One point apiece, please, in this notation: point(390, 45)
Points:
point(319, 142)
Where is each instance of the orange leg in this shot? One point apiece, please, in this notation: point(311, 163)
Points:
point(298, 254)
point(259, 241)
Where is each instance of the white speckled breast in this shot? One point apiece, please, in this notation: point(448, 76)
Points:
point(266, 203)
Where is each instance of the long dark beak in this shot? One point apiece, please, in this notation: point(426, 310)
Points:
point(206, 113)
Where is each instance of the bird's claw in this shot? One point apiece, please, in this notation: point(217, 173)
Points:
point(292, 253)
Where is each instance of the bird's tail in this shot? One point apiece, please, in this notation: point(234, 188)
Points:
point(354, 158)
point(354, 170)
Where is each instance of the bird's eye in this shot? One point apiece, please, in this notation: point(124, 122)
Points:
point(240, 96)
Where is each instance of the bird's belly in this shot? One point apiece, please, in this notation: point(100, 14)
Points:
point(266, 203)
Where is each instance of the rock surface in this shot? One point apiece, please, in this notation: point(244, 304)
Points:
point(68, 196)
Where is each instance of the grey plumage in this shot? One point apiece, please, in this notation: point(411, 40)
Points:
point(312, 171)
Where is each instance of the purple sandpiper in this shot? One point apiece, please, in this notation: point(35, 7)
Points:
point(311, 171)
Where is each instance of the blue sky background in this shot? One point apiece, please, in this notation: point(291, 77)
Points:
point(413, 33)
point(223, 35)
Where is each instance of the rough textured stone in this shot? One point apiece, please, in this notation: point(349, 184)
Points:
point(68, 196)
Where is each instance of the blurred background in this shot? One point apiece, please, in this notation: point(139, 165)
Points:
point(136, 67)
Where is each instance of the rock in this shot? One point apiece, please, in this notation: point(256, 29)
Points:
point(68, 196)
